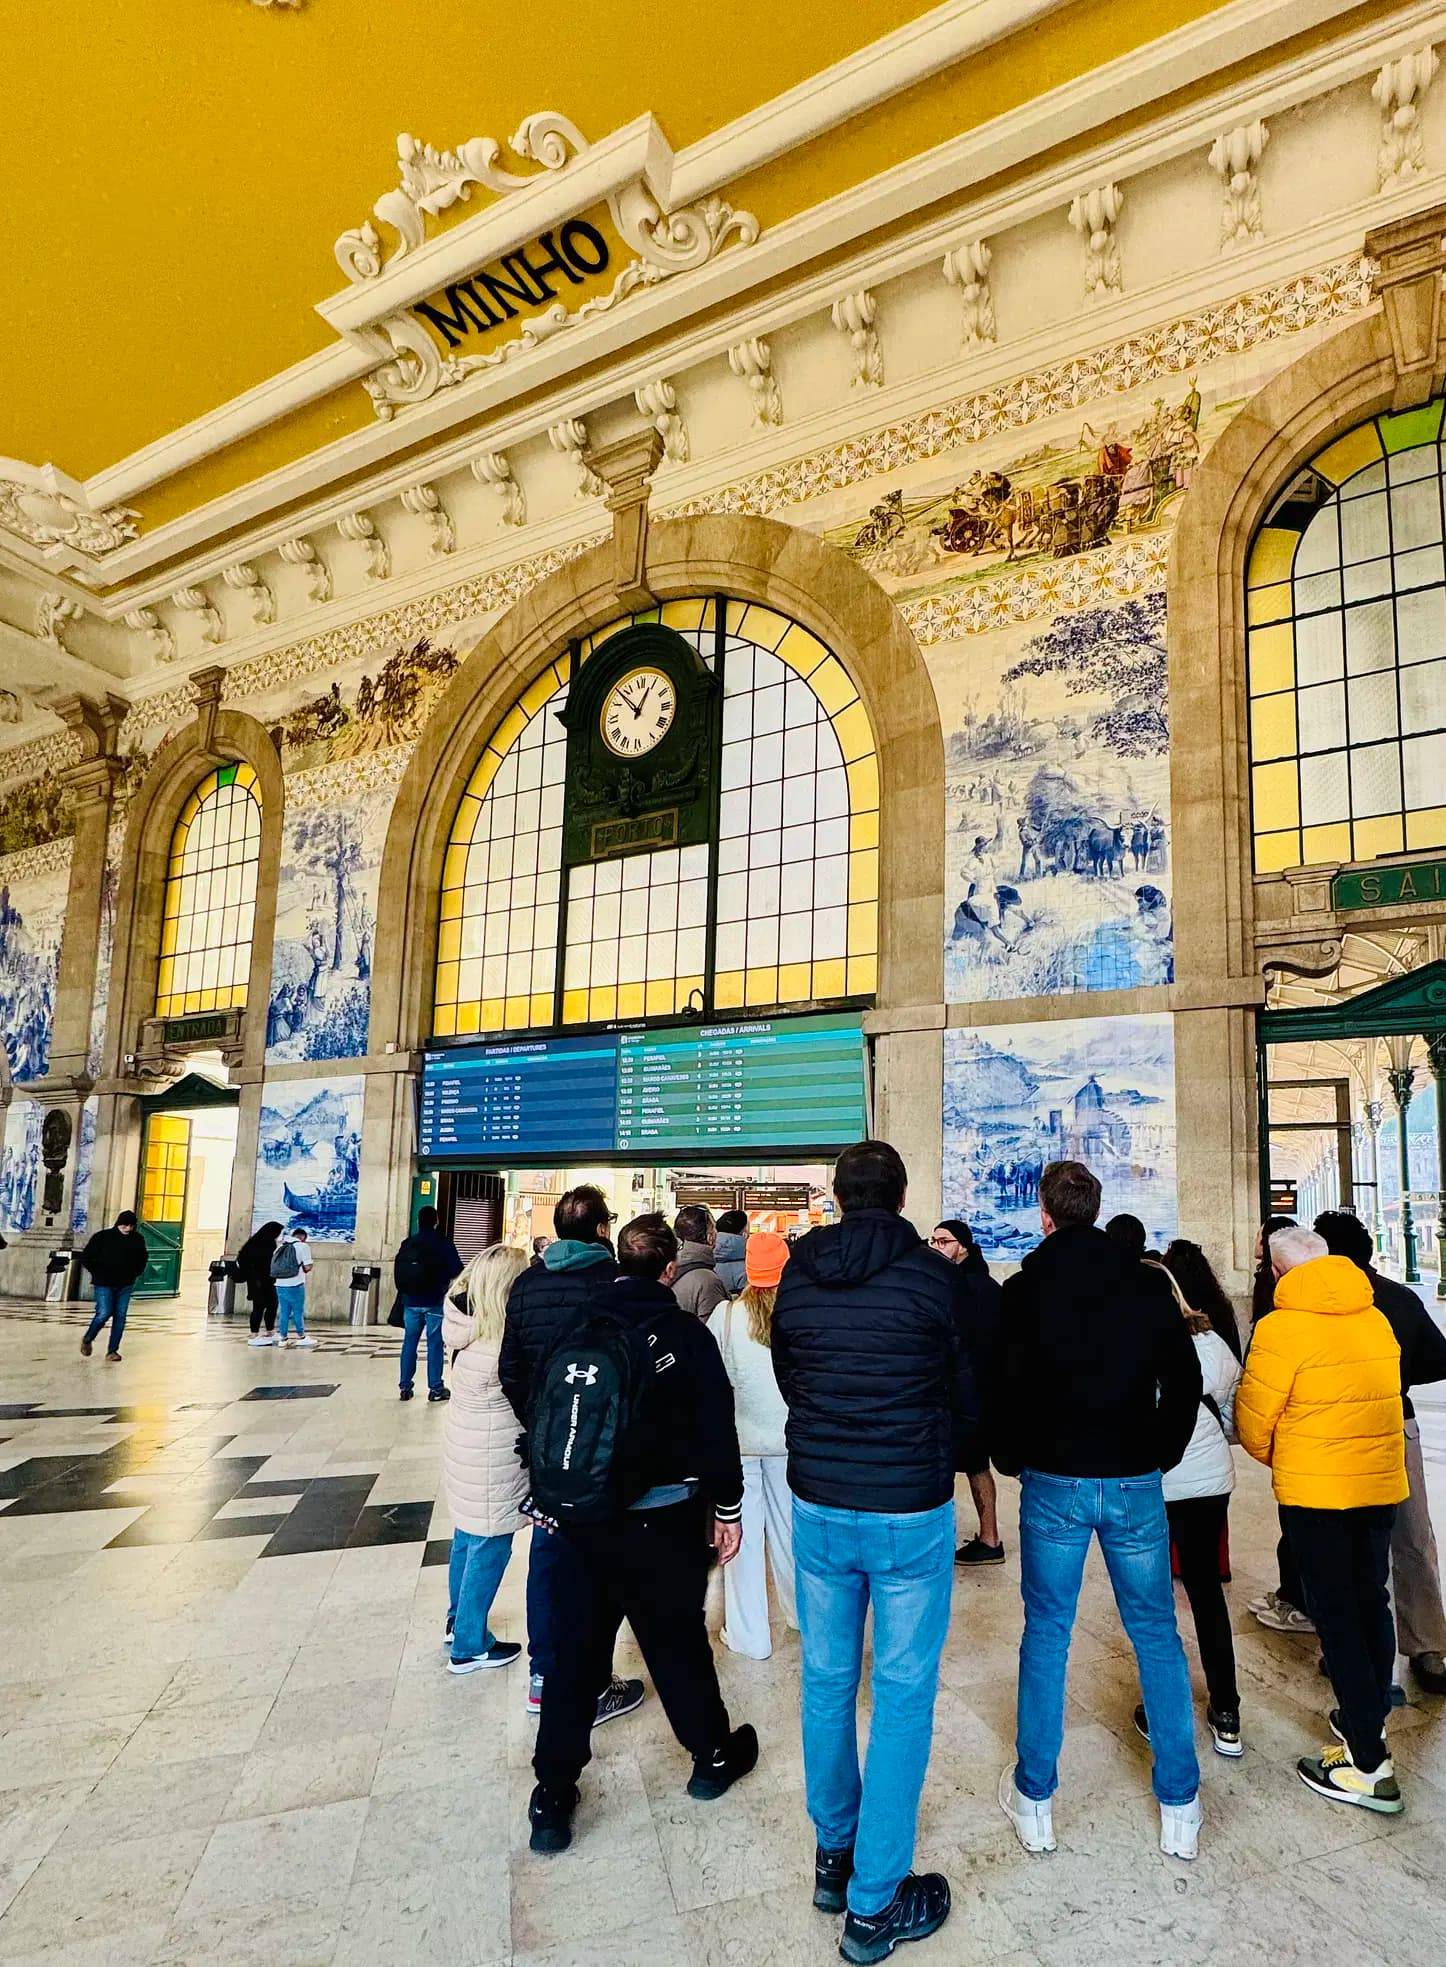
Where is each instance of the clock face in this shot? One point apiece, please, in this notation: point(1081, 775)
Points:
point(638, 712)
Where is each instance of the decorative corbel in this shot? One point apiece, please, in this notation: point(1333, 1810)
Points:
point(317, 575)
point(1410, 260)
point(94, 722)
point(1303, 958)
point(753, 361)
point(53, 615)
point(244, 578)
point(967, 268)
point(1094, 214)
point(205, 686)
point(426, 502)
point(159, 639)
point(359, 528)
point(658, 402)
point(854, 315)
point(622, 471)
point(1235, 159)
point(195, 601)
point(1397, 92)
point(492, 468)
point(569, 439)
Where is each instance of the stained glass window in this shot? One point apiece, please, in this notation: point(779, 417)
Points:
point(210, 900)
point(1346, 642)
point(781, 908)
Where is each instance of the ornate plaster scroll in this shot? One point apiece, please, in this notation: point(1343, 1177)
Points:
point(1094, 214)
point(854, 315)
point(1235, 159)
point(492, 468)
point(426, 502)
point(658, 402)
point(967, 268)
point(753, 361)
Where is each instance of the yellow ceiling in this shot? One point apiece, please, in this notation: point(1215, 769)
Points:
point(178, 169)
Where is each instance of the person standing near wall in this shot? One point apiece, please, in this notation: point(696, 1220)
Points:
point(730, 1244)
point(114, 1259)
point(979, 1310)
point(425, 1264)
point(290, 1267)
point(253, 1262)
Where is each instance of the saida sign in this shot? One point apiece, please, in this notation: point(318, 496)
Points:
point(1387, 887)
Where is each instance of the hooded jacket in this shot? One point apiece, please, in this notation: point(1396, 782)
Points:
point(869, 1359)
point(485, 1481)
point(728, 1252)
point(1320, 1397)
point(685, 1430)
point(545, 1303)
point(1098, 1377)
point(1207, 1467)
point(438, 1260)
point(1422, 1342)
point(696, 1283)
point(115, 1258)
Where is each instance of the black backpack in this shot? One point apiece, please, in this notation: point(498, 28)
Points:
point(583, 1420)
point(411, 1272)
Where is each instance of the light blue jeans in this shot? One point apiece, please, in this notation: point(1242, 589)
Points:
point(112, 1301)
point(414, 1319)
point(1058, 1516)
point(291, 1310)
point(474, 1571)
point(846, 1560)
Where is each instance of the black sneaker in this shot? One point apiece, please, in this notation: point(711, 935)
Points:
point(550, 1815)
point(86, 1348)
point(716, 1776)
point(976, 1551)
point(438, 1393)
point(619, 1697)
point(832, 1871)
point(917, 1909)
point(1142, 1722)
point(501, 1653)
point(405, 1394)
point(1224, 1726)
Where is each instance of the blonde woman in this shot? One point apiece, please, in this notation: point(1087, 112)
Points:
point(742, 1329)
point(484, 1479)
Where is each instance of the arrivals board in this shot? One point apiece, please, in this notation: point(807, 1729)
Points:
point(775, 1083)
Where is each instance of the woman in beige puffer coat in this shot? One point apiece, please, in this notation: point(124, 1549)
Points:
point(485, 1482)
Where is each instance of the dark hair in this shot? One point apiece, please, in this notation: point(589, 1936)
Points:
point(582, 1215)
point(426, 1217)
point(1202, 1290)
point(1128, 1232)
point(733, 1222)
point(1262, 1294)
point(870, 1175)
point(1346, 1235)
point(693, 1223)
point(646, 1247)
point(539, 1244)
point(1069, 1194)
point(126, 1219)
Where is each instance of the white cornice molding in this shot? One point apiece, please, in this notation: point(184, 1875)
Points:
point(1234, 31)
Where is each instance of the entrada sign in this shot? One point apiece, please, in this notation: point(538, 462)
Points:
point(1385, 887)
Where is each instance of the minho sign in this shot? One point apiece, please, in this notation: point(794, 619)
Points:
point(1387, 886)
point(541, 282)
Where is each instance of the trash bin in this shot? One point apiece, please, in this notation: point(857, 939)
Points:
point(57, 1277)
point(221, 1288)
point(364, 1281)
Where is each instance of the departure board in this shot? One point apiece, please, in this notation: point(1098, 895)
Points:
point(760, 1083)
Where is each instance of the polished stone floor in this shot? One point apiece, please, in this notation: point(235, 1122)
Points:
point(228, 1736)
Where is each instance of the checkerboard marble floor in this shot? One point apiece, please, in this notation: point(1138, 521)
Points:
point(228, 1736)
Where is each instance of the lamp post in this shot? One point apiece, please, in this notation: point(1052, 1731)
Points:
point(1436, 1054)
point(1372, 1123)
point(1400, 1078)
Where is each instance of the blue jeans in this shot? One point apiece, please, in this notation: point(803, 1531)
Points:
point(846, 1560)
point(1058, 1516)
point(413, 1319)
point(290, 1310)
point(474, 1571)
point(111, 1303)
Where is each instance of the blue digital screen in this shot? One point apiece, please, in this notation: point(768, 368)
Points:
point(533, 1099)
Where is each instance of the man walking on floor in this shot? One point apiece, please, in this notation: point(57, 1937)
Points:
point(881, 1412)
point(1100, 1389)
point(425, 1264)
point(1415, 1566)
point(633, 1452)
point(115, 1258)
point(1320, 1405)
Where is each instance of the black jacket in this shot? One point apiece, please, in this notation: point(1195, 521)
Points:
point(253, 1262)
point(1423, 1346)
point(1099, 1375)
point(115, 1258)
point(685, 1430)
point(545, 1303)
point(979, 1303)
point(869, 1359)
point(440, 1262)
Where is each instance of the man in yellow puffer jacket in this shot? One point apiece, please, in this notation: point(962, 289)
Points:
point(1320, 1405)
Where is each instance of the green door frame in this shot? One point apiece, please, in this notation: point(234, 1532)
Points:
point(165, 1242)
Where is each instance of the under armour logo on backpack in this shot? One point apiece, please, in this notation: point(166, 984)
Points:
point(586, 1374)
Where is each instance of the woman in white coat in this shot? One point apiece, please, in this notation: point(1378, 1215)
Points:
point(742, 1328)
point(485, 1482)
point(1197, 1503)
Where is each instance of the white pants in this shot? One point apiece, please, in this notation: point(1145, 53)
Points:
point(767, 1520)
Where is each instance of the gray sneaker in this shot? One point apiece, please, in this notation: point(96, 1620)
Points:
point(1282, 1616)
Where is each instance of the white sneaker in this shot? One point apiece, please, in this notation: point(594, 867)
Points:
point(1180, 1829)
point(305, 1341)
point(1033, 1822)
point(258, 1340)
point(1264, 1603)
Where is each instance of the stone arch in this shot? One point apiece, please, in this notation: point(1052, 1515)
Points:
point(754, 560)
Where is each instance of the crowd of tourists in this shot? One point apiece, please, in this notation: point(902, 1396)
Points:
point(651, 1400)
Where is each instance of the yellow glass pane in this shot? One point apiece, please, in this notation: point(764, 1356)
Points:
point(831, 685)
point(163, 1007)
point(483, 774)
point(1349, 454)
point(854, 732)
point(1269, 604)
point(1272, 726)
point(760, 986)
point(830, 978)
point(686, 987)
point(795, 982)
point(444, 1021)
point(537, 692)
point(170, 1127)
point(246, 777)
point(465, 824)
point(801, 651)
point(864, 789)
point(451, 904)
point(863, 929)
point(454, 867)
point(542, 1007)
point(1277, 797)
point(630, 1000)
point(864, 829)
point(863, 877)
point(574, 1007)
point(659, 997)
point(187, 813)
point(447, 979)
point(1382, 835)
point(507, 732)
point(728, 990)
point(1273, 851)
point(1272, 659)
point(1272, 556)
point(683, 615)
point(763, 626)
point(603, 1002)
point(469, 1019)
point(863, 975)
point(449, 942)
point(490, 1014)
point(1427, 829)
point(1326, 843)
point(733, 620)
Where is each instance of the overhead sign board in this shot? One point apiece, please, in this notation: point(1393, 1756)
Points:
point(1387, 887)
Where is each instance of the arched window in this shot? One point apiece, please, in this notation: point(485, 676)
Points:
point(1346, 615)
point(211, 896)
point(779, 907)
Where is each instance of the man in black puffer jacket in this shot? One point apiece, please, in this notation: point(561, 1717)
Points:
point(868, 1354)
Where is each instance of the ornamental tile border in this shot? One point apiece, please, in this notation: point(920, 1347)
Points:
point(28, 863)
point(1111, 573)
point(345, 777)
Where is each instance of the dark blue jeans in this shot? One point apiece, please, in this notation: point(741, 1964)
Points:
point(414, 1317)
point(112, 1301)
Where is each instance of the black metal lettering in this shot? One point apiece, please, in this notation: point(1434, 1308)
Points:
point(468, 310)
point(577, 233)
point(519, 264)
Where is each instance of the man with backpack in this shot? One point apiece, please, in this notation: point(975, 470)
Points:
point(633, 1455)
point(290, 1267)
point(425, 1264)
